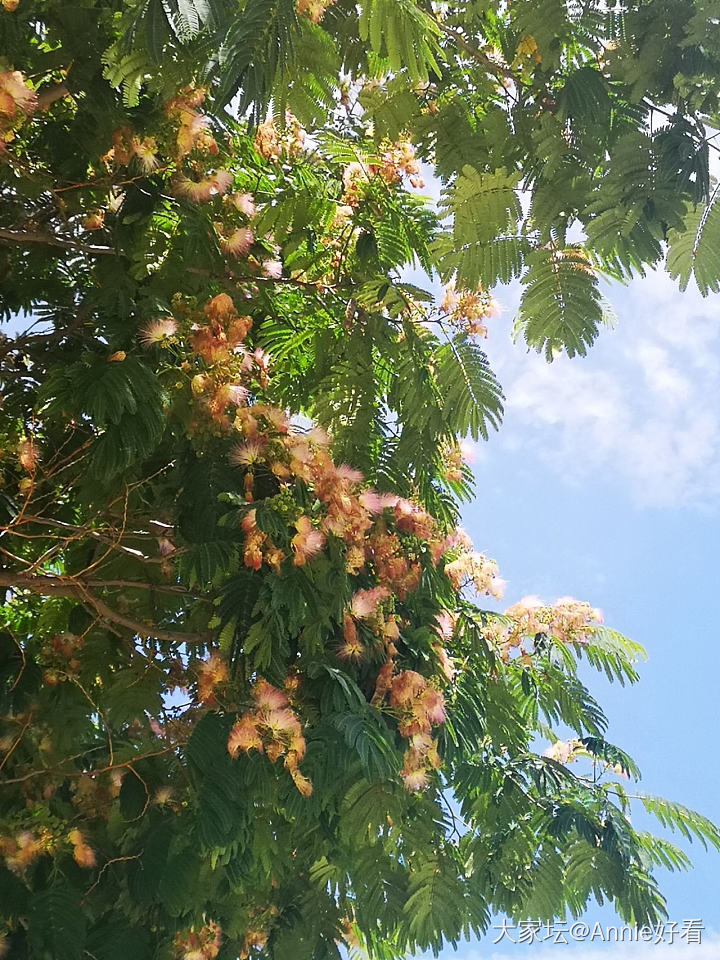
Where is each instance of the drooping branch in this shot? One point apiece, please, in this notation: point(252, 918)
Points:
point(55, 586)
point(485, 60)
point(27, 238)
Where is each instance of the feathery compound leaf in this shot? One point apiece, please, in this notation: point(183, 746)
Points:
point(258, 46)
point(611, 652)
point(561, 307)
point(471, 396)
point(124, 403)
point(658, 852)
point(695, 251)
point(402, 32)
point(435, 902)
point(682, 820)
point(485, 210)
point(57, 924)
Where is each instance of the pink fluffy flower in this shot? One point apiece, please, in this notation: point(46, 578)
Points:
point(445, 624)
point(248, 453)
point(243, 203)
point(307, 541)
point(157, 331)
point(415, 780)
point(377, 502)
point(365, 602)
point(433, 705)
point(238, 243)
point(272, 269)
point(199, 191)
point(267, 697)
point(346, 472)
point(15, 95)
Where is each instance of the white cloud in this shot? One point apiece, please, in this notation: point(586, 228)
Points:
point(643, 407)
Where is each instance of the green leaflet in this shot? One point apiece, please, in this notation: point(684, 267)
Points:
point(56, 923)
point(122, 400)
point(258, 47)
point(561, 306)
point(401, 31)
point(692, 252)
point(485, 210)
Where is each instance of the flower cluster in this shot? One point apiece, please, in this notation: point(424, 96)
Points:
point(127, 146)
point(347, 509)
point(444, 626)
point(396, 159)
point(198, 191)
point(61, 652)
point(27, 455)
point(83, 854)
point(211, 673)
point(272, 727)
point(567, 620)
point(193, 132)
point(454, 457)
point(192, 145)
point(20, 850)
point(272, 144)
point(17, 101)
point(419, 707)
point(469, 566)
point(201, 945)
point(468, 310)
point(221, 365)
point(563, 751)
point(314, 10)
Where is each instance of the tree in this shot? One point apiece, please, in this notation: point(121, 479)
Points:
point(250, 702)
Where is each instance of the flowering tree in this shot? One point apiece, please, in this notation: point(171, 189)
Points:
point(250, 702)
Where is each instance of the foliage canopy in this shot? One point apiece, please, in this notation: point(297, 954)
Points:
point(250, 702)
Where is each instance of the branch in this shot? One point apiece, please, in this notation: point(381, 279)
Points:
point(49, 95)
point(25, 238)
point(53, 586)
point(485, 60)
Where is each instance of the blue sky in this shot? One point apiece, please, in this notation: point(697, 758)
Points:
point(604, 483)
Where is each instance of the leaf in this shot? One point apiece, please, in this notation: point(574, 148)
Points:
point(611, 652)
point(485, 209)
point(372, 740)
point(561, 307)
point(401, 31)
point(114, 939)
point(470, 395)
point(57, 924)
point(689, 823)
point(365, 807)
point(694, 251)
point(258, 47)
point(611, 754)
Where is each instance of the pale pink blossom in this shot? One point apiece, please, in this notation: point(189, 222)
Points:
point(157, 331)
point(238, 243)
point(245, 454)
point(365, 602)
point(272, 269)
point(307, 541)
point(15, 95)
point(267, 697)
point(377, 502)
point(243, 203)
